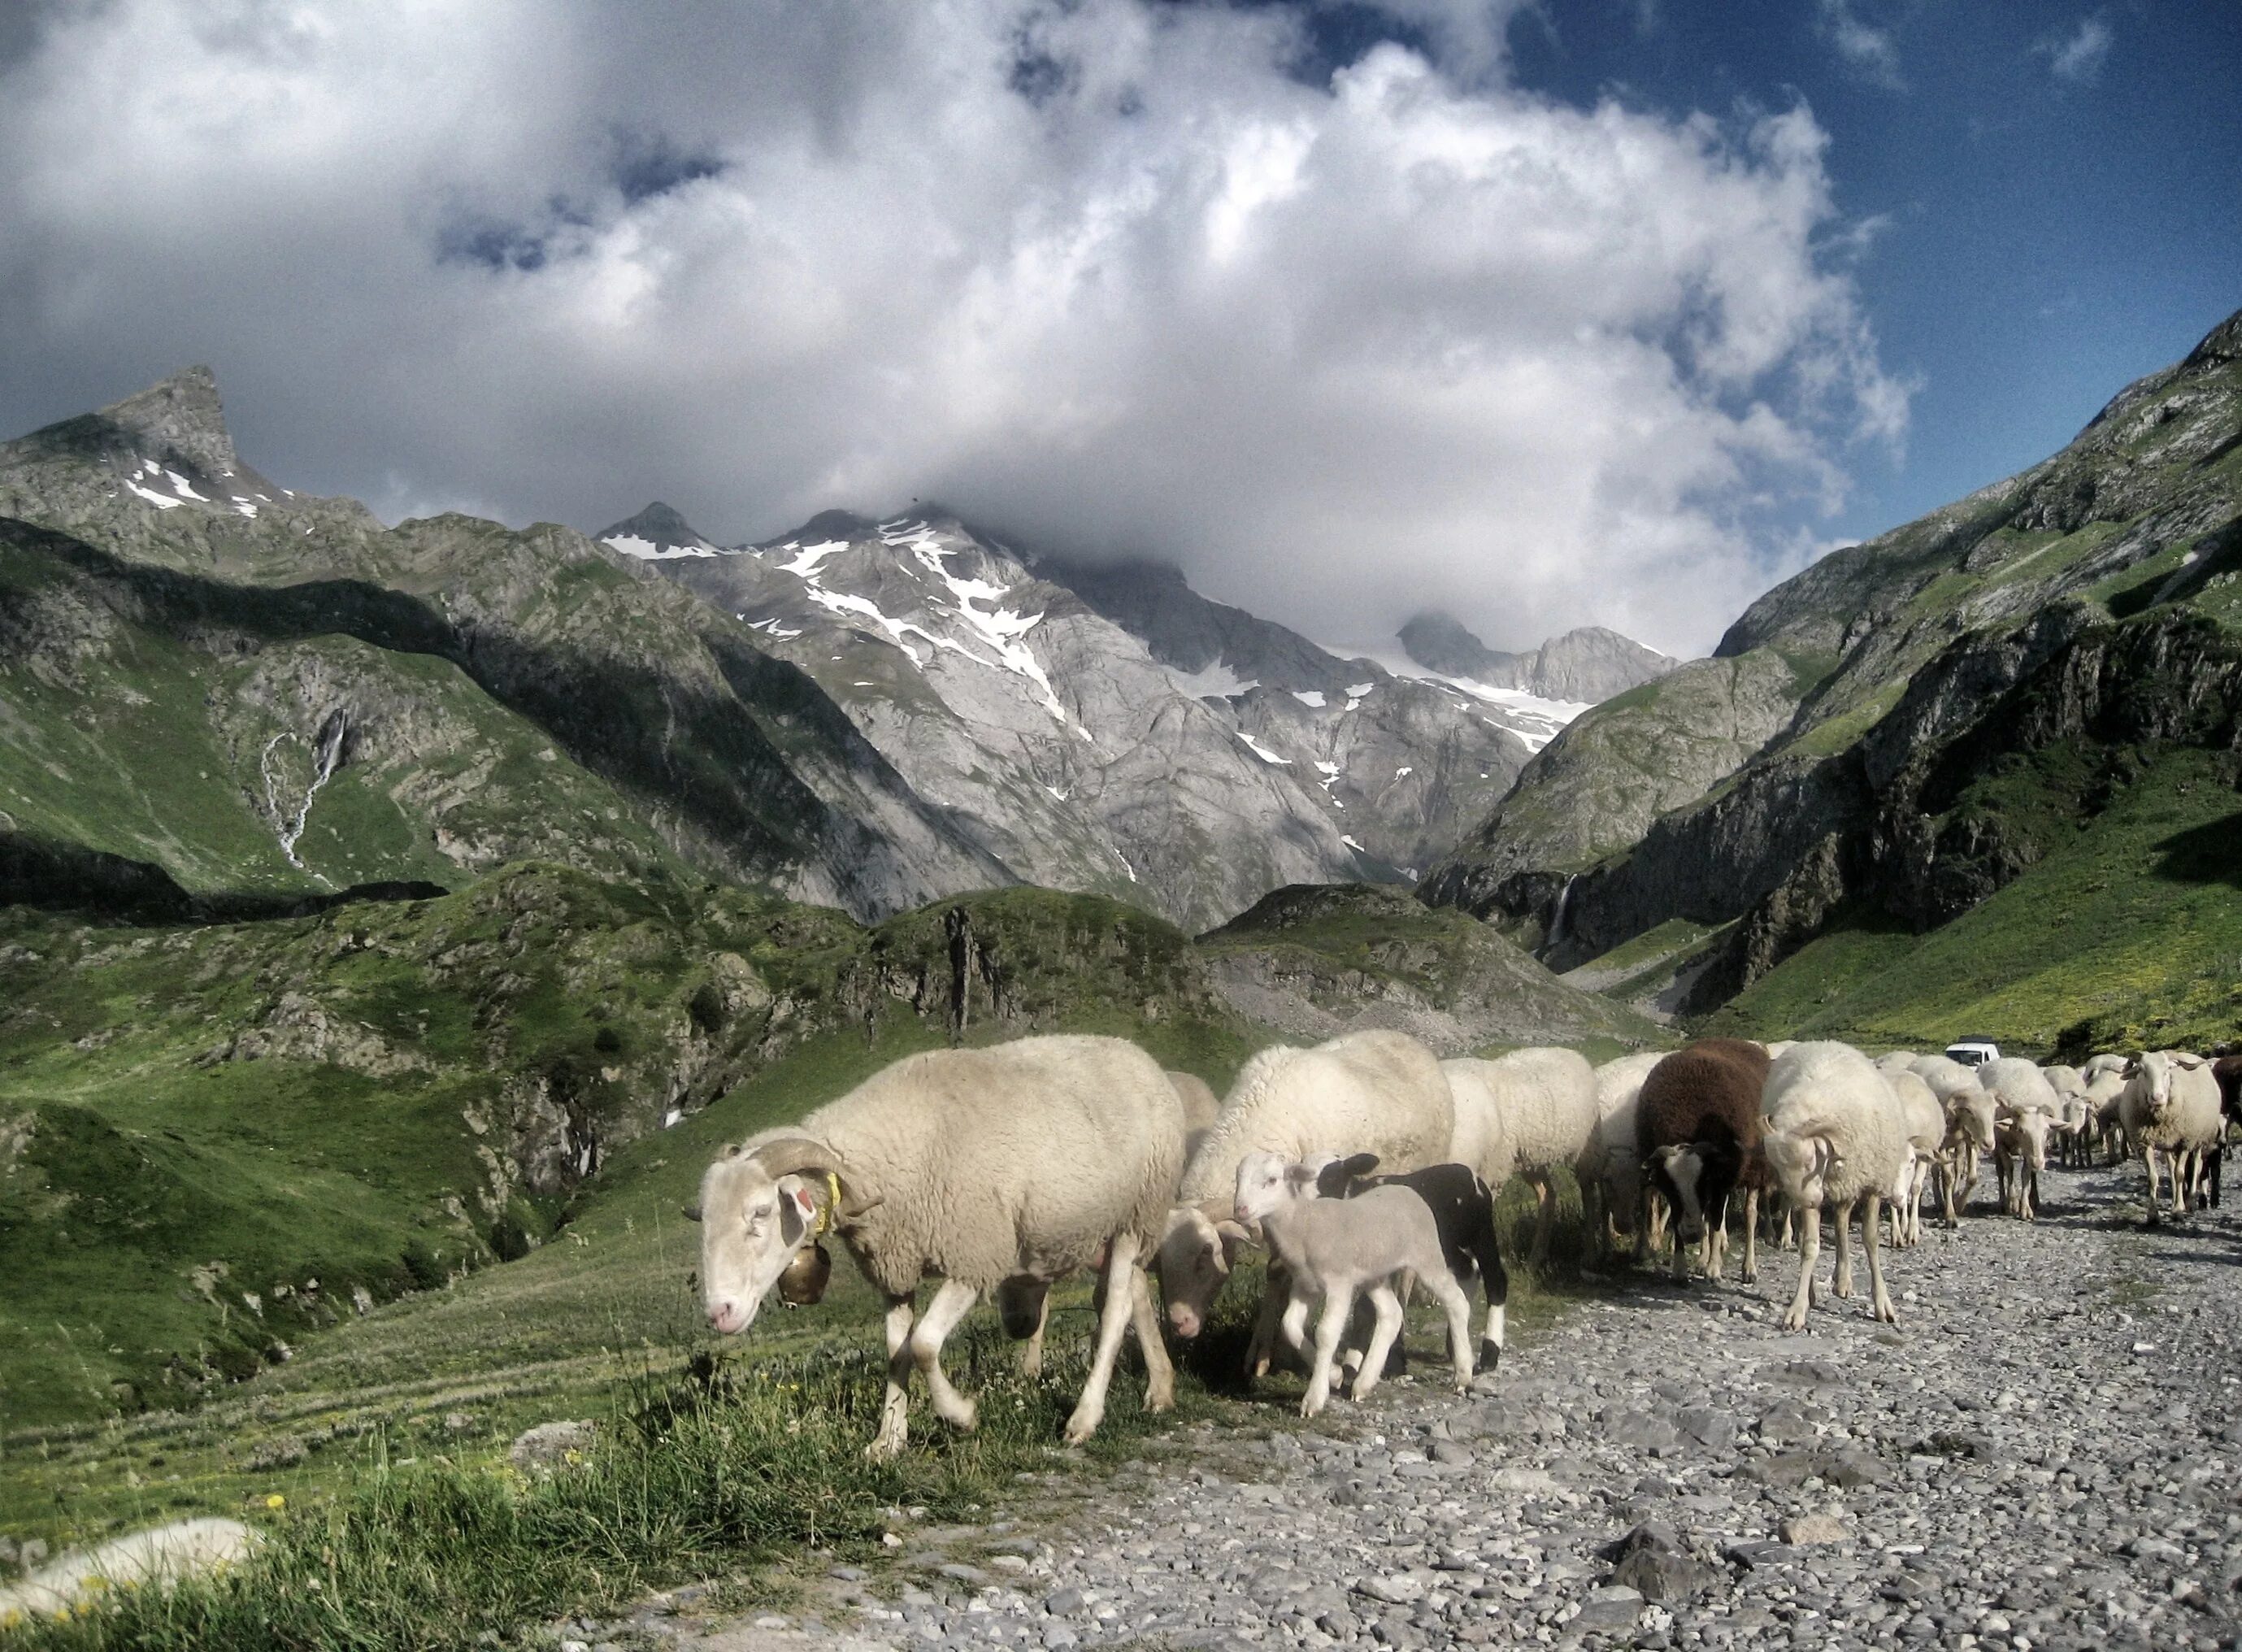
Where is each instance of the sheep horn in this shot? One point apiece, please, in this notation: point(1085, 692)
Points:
point(792, 1155)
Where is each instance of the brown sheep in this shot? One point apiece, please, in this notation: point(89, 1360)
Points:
point(1697, 1128)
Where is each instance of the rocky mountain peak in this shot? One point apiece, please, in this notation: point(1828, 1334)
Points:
point(180, 418)
point(1586, 665)
point(657, 531)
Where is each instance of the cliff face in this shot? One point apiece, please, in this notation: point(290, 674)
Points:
point(1882, 675)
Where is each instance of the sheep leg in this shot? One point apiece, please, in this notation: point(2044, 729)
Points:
point(1338, 1306)
point(1276, 1290)
point(1451, 1295)
point(951, 1303)
point(1031, 1351)
point(1293, 1329)
point(1385, 1306)
point(1842, 1283)
point(2149, 1159)
point(1879, 1300)
point(1946, 1191)
point(1145, 1320)
point(1810, 1252)
point(1112, 1326)
point(1751, 1236)
point(895, 1413)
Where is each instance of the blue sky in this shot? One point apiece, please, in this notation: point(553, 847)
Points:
point(1547, 313)
point(2044, 229)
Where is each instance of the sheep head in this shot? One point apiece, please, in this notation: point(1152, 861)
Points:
point(1265, 1182)
point(1197, 1251)
point(757, 1211)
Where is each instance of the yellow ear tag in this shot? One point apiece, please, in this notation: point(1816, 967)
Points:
point(832, 1204)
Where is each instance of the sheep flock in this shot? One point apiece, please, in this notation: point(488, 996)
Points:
point(1366, 1168)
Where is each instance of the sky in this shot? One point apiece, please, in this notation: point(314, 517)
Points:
point(1547, 314)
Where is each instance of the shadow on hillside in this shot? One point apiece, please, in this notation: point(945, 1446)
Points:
point(2207, 854)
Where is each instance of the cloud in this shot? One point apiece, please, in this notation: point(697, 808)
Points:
point(1871, 52)
point(1116, 277)
point(2077, 56)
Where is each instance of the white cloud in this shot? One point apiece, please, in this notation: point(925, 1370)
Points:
point(1111, 276)
point(2077, 55)
point(1869, 52)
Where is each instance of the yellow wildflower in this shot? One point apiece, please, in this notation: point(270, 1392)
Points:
point(10, 1618)
point(276, 1500)
point(95, 1582)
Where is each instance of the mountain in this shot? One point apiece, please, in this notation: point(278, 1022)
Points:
point(238, 690)
point(1945, 709)
point(1105, 728)
point(1584, 666)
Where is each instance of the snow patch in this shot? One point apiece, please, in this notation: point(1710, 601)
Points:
point(1403, 773)
point(244, 506)
point(1359, 690)
point(1262, 751)
point(770, 628)
point(1312, 698)
point(673, 1116)
point(1352, 844)
point(806, 558)
point(1002, 630)
point(184, 488)
point(161, 501)
point(647, 551)
point(1216, 682)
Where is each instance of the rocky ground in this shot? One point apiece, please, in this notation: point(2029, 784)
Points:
point(2044, 1454)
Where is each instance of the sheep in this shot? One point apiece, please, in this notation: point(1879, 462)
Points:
point(1617, 1162)
point(1697, 1131)
point(1969, 1125)
point(1333, 1248)
point(1023, 1160)
point(159, 1556)
point(1024, 1302)
point(2105, 1099)
point(2025, 1103)
point(1463, 1208)
point(2110, 1062)
point(2170, 1104)
point(1833, 1135)
point(1926, 1125)
point(1375, 1091)
point(1546, 1100)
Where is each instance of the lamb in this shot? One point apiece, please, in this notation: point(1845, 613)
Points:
point(1333, 1248)
point(2170, 1104)
point(1463, 1209)
point(1546, 1101)
point(1925, 1121)
point(1617, 1162)
point(1375, 1092)
point(1697, 1134)
point(1833, 1135)
point(2025, 1104)
point(1023, 1160)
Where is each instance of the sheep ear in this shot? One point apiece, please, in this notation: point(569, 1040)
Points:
point(691, 1212)
point(731, 1150)
point(1234, 1239)
point(1361, 1165)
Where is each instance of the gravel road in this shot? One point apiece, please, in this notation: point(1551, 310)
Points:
point(2044, 1454)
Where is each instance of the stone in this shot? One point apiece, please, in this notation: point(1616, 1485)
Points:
point(552, 1445)
point(1807, 1530)
point(1609, 1609)
point(1643, 1432)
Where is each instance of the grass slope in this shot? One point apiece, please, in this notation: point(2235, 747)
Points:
point(2126, 932)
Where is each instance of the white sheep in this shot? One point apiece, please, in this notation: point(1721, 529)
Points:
point(1925, 1123)
point(1333, 1248)
point(1376, 1091)
point(2111, 1062)
point(1545, 1103)
point(1970, 1125)
point(2170, 1105)
point(1617, 1158)
point(1833, 1136)
point(1020, 1300)
point(159, 1557)
point(1021, 1161)
point(2026, 1106)
point(2105, 1104)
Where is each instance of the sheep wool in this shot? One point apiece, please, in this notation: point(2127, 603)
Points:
point(1835, 1135)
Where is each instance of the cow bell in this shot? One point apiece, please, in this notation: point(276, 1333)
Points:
point(803, 1283)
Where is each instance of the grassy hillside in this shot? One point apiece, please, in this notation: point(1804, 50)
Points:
point(2124, 931)
point(216, 1140)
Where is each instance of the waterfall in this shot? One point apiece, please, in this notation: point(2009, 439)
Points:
point(1557, 918)
point(326, 757)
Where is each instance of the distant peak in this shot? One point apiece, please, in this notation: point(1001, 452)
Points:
point(657, 531)
point(1439, 641)
point(836, 525)
point(180, 416)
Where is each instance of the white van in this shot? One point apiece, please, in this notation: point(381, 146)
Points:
point(1973, 1051)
